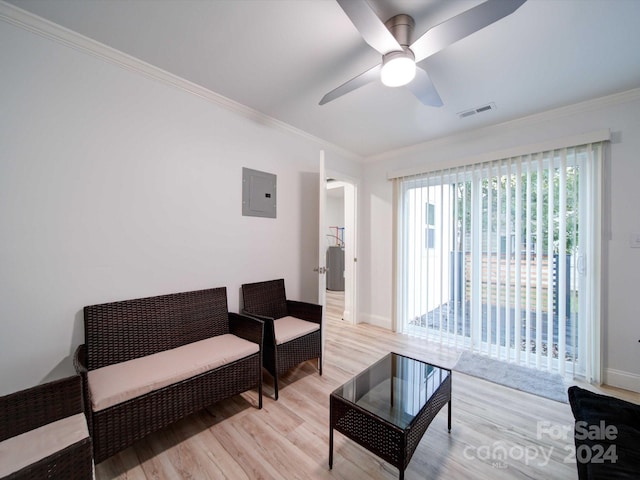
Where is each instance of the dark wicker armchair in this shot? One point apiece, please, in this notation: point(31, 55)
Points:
point(292, 330)
point(606, 436)
point(36, 408)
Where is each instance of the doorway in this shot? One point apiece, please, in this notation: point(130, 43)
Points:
point(340, 247)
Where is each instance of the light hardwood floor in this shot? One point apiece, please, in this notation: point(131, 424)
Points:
point(498, 433)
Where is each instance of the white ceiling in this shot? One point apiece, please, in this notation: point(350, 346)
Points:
point(280, 57)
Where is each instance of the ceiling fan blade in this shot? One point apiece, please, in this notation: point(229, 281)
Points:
point(450, 31)
point(370, 26)
point(423, 88)
point(361, 80)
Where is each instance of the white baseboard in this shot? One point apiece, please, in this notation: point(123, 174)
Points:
point(377, 320)
point(620, 379)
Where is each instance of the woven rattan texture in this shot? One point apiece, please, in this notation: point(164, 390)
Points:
point(298, 350)
point(34, 407)
point(378, 438)
point(116, 428)
point(130, 329)
point(71, 463)
point(306, 311)
point(389, 442)
point(27, 409)
point(245, 327)
point(438, 400)
point(265, 298)
point(267, 301)
point(120, 331)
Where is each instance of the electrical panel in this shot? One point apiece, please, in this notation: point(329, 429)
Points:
point(258, 193)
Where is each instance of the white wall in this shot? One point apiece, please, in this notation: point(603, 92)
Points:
point(621, 264)
point(114, 185)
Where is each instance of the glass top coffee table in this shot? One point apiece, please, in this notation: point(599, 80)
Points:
point(388, 407)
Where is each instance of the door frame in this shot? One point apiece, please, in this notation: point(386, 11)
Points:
point(350, 313)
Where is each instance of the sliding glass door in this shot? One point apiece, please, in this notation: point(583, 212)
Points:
point(500, 258)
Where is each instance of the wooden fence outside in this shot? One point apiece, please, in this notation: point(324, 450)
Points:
point(497, 266)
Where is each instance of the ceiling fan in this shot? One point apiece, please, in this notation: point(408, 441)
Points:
point(400, 55)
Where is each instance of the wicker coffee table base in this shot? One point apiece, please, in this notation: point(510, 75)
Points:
point(391, 443)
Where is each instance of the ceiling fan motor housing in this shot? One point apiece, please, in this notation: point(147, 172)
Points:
point(398, 66)
point(401, 27)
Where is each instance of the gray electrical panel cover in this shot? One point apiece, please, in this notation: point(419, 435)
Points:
point(258, 193)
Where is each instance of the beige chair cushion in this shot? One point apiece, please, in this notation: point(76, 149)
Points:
point(288, 328)
point(117, 383)
point(32, 446)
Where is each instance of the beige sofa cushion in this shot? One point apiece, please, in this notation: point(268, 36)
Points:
point(32, 446)
point(117, 383)
point(288, 328)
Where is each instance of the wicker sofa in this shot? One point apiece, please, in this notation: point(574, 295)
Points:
point(43, 433)
point(148, 362)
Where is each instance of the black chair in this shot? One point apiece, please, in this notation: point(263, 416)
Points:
point(607, 436)
point(292, 329)
point(40, 406)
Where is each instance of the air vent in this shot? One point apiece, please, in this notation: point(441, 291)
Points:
point(468, 113)
point(484, 108)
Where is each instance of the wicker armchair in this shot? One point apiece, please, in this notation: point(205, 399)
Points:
point(292, 329)
point(28, 412)
point(606, 435)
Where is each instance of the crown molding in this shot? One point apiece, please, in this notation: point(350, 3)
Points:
point(518, 123)
point(28, 21)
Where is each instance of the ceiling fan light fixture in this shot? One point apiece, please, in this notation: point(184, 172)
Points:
point(398, 68)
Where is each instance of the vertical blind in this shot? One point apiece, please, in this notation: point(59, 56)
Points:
point(502, 258)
